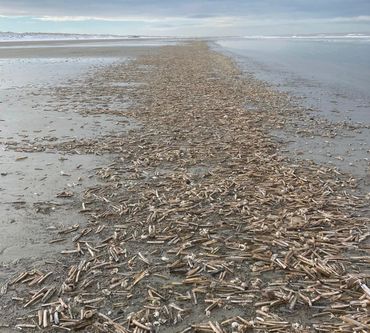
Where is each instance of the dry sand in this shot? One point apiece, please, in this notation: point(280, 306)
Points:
point(197, 222)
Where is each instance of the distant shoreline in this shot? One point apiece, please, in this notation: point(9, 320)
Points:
point(32, 37)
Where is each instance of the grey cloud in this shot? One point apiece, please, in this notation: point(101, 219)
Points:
point(187, 8)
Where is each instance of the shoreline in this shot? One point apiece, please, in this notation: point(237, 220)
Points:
point(328, 132)
point(199, 216)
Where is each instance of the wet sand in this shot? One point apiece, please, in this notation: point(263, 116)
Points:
point(31, 73)
point(78, 48)
point(181, 214)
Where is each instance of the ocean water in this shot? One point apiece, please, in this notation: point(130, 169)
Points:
point(30, 36)
point(330, 76)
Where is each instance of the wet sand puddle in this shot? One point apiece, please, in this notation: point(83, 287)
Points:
point(39, 189)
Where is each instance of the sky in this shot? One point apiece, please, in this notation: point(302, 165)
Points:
point(186, 17)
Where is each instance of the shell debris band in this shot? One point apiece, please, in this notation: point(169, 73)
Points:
point(199, 224)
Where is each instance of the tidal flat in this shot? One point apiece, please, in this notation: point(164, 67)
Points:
point(147, 192)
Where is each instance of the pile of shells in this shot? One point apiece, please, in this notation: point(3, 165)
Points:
point(199, 224)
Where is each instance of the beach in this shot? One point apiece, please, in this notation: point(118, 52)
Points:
point(149, 187)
